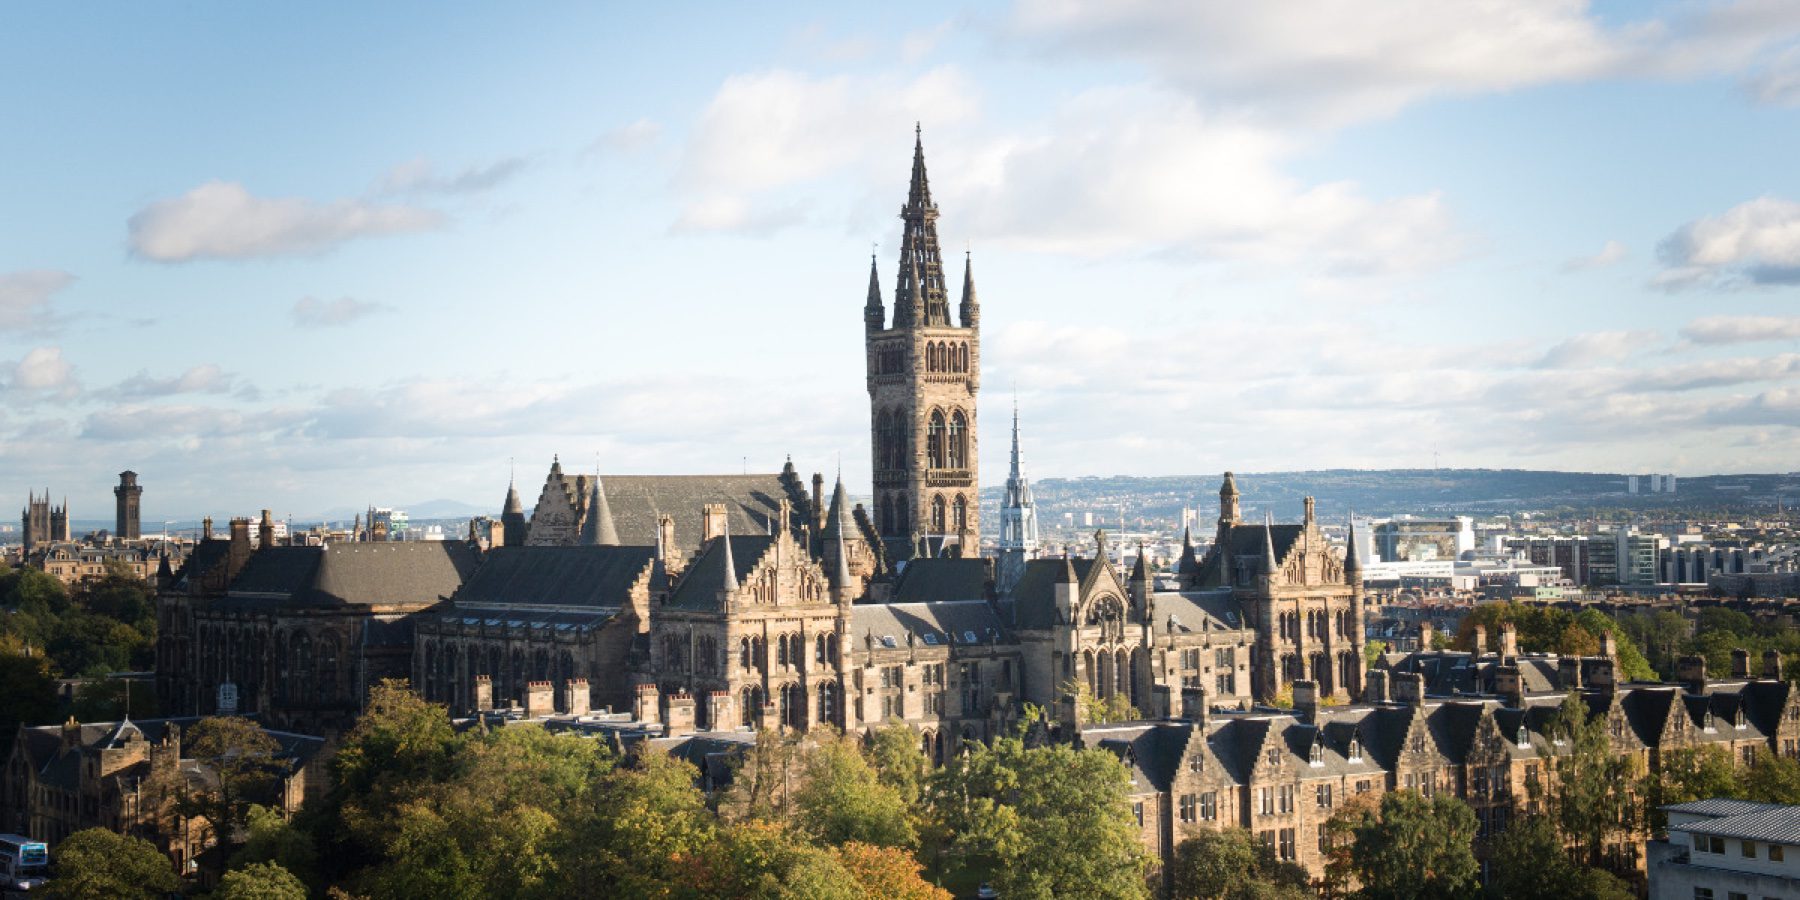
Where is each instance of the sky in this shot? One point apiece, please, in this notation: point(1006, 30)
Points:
point(322, 256)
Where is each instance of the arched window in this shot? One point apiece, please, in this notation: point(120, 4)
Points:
point(744, 659)
point(958, 443)
point(961, 512)
point(934, 442)
point(781, 652)
point(884, 440)
point(937, 515)
point(962, 364)
point(819, 650)
point(887, 516)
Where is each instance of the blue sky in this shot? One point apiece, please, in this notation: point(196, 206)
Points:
point(310, 260)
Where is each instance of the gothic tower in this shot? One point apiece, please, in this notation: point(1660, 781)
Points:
point(129, 495)
point(924, 372)
point(1018, 522)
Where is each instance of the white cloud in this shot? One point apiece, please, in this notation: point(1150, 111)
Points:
point(206, 378)
point(222, 220)
point(766, 131)
point(25, 298)
point(1742, 329)
point(1594, 348)
point(1611, 253)
point(43, 372)
point(1756, 242)
point(1335, 62)
point(311, 312)
point(1129, 170)
point(419, 176)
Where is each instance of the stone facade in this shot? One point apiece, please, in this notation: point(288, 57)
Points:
point(923, 374)
point(128, 497)
point(42, 523)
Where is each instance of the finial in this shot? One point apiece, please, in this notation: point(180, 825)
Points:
point(918, 131)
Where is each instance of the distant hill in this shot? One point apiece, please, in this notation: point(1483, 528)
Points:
point(1395, 491)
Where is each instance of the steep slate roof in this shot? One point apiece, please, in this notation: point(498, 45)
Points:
point(43, 745)
point(1194, 610)
point(637, 500)
point(1246, 539)
point(412, 573)
point(1034, 597)
point(205, 556)
point(556, 576)
point(701, 583)
point(1720, 807)
point(946, 622)
point(942, 579)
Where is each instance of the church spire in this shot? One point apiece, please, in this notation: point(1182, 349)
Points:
point(599, 530)
point(921, 297)
point(1352, 565)
point(970, 313)
point(874, 313)
point(731, 582)
point(1269, 561)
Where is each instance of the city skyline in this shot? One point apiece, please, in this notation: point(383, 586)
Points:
point(263, 277)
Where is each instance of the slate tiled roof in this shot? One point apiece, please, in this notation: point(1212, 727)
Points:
point(1196, 610)
point(1034, 597)
point(1245, 540)
point(1780, 825)
point(751, 501)
point(946, 623)
point(412, 573)
point(701, 583)
point(556, 576)
point(942, 579)
point(206, 555)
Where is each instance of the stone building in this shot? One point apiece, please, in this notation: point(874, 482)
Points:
point(1302, 597)
point(923, 374)
point(42, 523)
point(61, 779)
point(295, 633)
point(1018, 522)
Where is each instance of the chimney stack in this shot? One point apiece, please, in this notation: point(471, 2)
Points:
point(265, 532)
point(1508, 686)
point(576, 698)
point(1740, 662)
point(681, 714)
point(1426, 633)
point(712, 521)
point(1306, 701)
point(1480, 641)
point(1691, 671)
point(484, 693)
point(1409, 688)
point(539, 700)
point(1772, 665)
point(646, 705)
point(1375, 686)
point(1509, 641)
point(1569, 672)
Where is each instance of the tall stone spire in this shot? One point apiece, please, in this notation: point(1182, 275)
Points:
point(1189, 565)
point(1352, 565)
point(1018, 516)
point(921, 296)
point(838, 521)
point(874, 313)
point(970, 314)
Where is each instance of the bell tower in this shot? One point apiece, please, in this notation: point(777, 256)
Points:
point(923, 374)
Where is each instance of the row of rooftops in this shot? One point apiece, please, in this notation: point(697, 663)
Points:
point(1371, 737)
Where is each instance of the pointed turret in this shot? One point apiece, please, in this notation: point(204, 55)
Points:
point(513, 504)
point(512, 518)
point(1139, 571)
point(1269, 561)
point(840, 573)
point(839, 522)
point(731, 582)
point(874, 311)
point(1066, 574)
point(970, 313)
point(921, 298)
point(1189, 565)
point(598, 530)
point(1352, 565)
point(918, 194)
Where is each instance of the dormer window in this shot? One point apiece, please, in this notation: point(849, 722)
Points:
point(1318, 754)
point(1355, 750)
point(1524, 737)
point(1707, 722)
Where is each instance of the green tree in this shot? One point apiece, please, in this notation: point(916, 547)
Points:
point(1372, 652)
point(273, 839)
point(899, 761)
point(761, 860)
point(763, 779)
point(260, 881)
point(242, 754)
point(97, 864)
point(646, 825)
point(1230, 864)
point(1687, 774)
point(1044, 820)
point(495, 824)
point(1413, 848)
point(1771, 779)
point(30, 695)
point(1588, 793)
point(1530, 863)
point(842, 799)
point(1632, 664)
